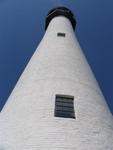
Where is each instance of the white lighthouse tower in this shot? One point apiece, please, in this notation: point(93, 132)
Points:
point(57, 103)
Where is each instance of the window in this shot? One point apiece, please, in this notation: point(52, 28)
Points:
point(61, 34)
point(64, 106)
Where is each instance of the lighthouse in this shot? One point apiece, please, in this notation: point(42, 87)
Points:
point(57, 103)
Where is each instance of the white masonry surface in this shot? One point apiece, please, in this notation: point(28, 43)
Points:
point(58, 66)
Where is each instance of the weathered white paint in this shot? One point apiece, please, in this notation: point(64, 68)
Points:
point(58, 66)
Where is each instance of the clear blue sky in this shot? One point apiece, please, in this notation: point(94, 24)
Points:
point(22, 27)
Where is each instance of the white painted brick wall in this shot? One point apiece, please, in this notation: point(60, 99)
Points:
point(58, 66)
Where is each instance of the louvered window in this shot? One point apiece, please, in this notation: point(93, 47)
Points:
point(61, 34)
point(64, 106)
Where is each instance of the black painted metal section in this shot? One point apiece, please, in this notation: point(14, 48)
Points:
point(60, 11)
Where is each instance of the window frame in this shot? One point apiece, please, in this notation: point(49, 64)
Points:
point(61, 34)
point(64, 106)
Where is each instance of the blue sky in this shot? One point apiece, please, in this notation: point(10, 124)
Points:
point(22, 28)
